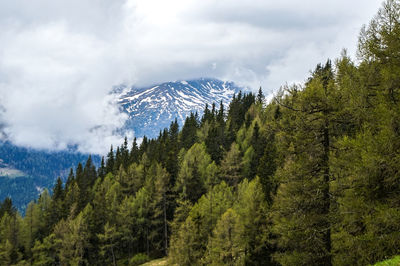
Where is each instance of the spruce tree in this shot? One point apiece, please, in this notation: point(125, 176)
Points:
point(110, 161)
point(134, 153)
point(260, 97)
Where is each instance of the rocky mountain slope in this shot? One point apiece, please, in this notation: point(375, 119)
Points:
point(153, 108)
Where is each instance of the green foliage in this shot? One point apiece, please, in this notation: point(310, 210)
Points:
point(45, 253)
point(32, 224)
point(253, 209)
point(248, 163)
point(203, 216)
point(139, 259)
point(109, 240)
point(369, 216)
point(6, 250)
point(302, 209)
point(225, 246)
point(192, 176)
point(184, 246)
point(301, 180)
point(188, 134)
point(231, 166)
point(267, 167)
point(391, 262)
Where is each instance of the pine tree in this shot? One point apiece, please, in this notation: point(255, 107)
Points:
point(226, 246)
point(45, 253)
point(110, 161)
point(126, 224)
point(57, 205)
point(7, 207)
point(109, 240)
point(101, 172)
point(231, 166)
point(253, 210)
point(302, 206)
point(125, 153)
point(214, 143)
point(184, 247)
point(172, 149)
point(366, 164)
point(260, 97)
point(10, 242)
point(221, 114)
point(134, 153)
point(267, 167)
point(188, 134)
point(203, 216)
point(44, 206)
point(70, 181)
point(6, 251)
point(208, 115)
point(142, 215)
point(190, 184)
point(31, 226)
point(85, 179)
point(79, 177)
point(158, 207)
point(73, 235)
point(118, 160)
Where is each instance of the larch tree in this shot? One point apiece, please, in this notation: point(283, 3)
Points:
point(301, 212)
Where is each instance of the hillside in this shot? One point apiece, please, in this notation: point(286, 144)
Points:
point(25, 173)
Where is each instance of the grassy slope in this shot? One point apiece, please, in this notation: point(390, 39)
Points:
point(392, 262)
point(158, 262)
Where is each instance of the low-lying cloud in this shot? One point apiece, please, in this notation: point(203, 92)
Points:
point(59, 59)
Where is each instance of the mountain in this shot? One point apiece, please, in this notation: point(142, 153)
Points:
point(25, 172)
point(151, 109)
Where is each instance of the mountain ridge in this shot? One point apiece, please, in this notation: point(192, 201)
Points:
point(25, 172)
point(152, 108)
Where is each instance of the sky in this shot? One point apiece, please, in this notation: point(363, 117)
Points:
point(59, 59)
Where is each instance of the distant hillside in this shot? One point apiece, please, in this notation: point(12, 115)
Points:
point(24, 172)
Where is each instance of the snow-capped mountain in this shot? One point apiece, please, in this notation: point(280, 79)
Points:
point(153, 108)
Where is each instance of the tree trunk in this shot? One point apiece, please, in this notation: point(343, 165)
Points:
point(327, 199)
point(165, 225)
point(113, 256)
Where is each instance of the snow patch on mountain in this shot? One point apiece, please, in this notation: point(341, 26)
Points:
point(153, 108)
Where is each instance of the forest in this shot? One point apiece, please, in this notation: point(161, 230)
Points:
point(38, 169)
point(310, 178)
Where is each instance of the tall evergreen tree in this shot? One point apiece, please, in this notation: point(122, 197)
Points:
point(188, 134)
point(260, 96)
point(226, 248)
point(366, 164)
point(231, 166)
point(190, 184)
point(134, 153)
point(101, 172)
point(110, 161)
point(302, 207)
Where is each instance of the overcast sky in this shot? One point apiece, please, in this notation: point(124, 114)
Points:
point(58, 59)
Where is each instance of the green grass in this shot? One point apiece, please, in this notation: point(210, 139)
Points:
point(392, 262)
point(158, 262)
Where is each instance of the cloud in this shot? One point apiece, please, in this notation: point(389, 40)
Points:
point(59, 59)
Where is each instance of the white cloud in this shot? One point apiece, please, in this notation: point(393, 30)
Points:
point(59, 59)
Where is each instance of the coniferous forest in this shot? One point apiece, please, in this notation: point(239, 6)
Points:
point(310, 178)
